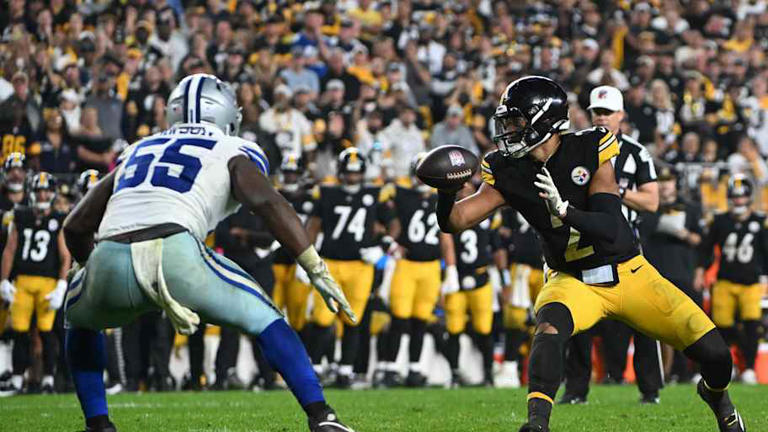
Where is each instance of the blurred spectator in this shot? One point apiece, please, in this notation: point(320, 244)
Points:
point(641, 114)
point(108, 105)
point(287, 127)
point(297, 75)
point(452, 131)
point(55, 151)
point(404, 139)
point(21, 110)
point(748, 160)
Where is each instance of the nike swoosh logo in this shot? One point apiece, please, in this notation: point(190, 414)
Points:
point(636, 269)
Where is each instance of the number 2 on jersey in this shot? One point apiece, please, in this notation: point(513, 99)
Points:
point(572, 251)
point(137, 166)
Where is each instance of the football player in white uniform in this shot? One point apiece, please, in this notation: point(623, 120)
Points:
point(150, 217)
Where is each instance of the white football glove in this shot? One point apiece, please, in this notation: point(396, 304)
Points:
point(56, 297)
point(451, 283)
point(7, 290)
point(549, 192)
point(323, 281)
point(302, 276)
point(372, 254)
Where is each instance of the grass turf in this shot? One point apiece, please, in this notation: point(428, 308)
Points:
point(433, 410)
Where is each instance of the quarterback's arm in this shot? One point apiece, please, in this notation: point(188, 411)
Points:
point(645, 198)
point(9, 252)
point(65, 259)
point(84, 219)
point(455, 216)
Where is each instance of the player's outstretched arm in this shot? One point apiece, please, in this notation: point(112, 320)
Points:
point(252, 189)
point(455, 216)
point(85, 218)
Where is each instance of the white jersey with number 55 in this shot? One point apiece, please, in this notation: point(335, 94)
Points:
point(177, 176)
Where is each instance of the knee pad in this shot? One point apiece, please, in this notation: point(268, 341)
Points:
point(558, 316)
point(710, 348)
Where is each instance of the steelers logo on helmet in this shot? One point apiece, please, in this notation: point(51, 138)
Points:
point(43, 191)
point(292, 170)
point(351, 169)
point(580, 175)
point(530, 111)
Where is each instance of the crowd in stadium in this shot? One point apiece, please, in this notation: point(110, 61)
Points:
point(80, 81)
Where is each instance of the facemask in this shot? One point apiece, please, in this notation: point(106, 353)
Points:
point(351, 188)
point(290, 187)
point(15, 187)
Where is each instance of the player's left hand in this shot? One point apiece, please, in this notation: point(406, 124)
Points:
point(549, 192)
point(56, 297)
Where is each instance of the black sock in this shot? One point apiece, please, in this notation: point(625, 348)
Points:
point(98, 422)
point(711, 352)
point(350, 343)
point(418, 328)
point(50, 352)
point(485, 344)
point(316, 409)
point(539, 411)
point(318, 338)
point(546, 364)
point(452, 350)
point(20, 352)
point(398, 327)
point(749, 342)
point(513, 340)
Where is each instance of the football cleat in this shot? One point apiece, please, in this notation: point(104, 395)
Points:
point(328, 422)
point(12, 387)
point(728, 419)
point(749, 377)
point(650, 399)
point(457, 380)
point(109, 428)
point(570, 399)
point(415, 379)
point(529, 427)
point(343, 382)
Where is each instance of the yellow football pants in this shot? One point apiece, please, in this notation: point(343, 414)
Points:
point(290, 294)
point(643, 299)
point(515, 317)
point(728, 296)
point(415, 289)
point(356, 279)
point(478, 302)
point(30, 299)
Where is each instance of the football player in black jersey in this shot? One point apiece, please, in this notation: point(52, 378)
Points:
point(86, 181)
point(742, 236)
point(291, 292)
point(37, 256)
point(349, 216)
point(527, 278)
point(565, 187)
point(467, 290)
point(415, 286)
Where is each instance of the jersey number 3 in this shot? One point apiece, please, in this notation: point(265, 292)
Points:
point(174, 170)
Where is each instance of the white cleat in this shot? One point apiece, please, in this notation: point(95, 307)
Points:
point(508, 376)
point(749, 377)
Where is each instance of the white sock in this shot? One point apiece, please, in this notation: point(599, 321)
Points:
point(345, 370)
point(415, 367)
point(318, 369)
point(392, 367)
point(17, 381)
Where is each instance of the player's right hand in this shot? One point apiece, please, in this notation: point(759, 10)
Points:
point(7, 291)
point(330, 291)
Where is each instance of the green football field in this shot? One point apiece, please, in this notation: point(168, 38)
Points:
point(432, 410)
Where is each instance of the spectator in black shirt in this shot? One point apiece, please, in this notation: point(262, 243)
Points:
point(55, 153)
point(641, 114)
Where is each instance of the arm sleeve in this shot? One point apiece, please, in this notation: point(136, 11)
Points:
point(706, 252)
point(646, 170)
point(601, 220)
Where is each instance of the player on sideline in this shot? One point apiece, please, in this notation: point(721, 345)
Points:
point(564, 185)
point(151, 215)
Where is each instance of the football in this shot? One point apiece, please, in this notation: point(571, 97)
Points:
point(447, 167)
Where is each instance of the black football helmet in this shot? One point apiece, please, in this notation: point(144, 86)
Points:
point(531, 109)
point(13, 170)
point(351, 161)
point(292, 168)
point(42, 181)
point(87, 180)
point(740, 186)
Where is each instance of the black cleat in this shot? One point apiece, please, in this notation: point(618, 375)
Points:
point(110, 428)
point(392, 379)
point(328, 422)
point(343, 382)
point(530, 427)
point(569, 399)
point(650, 399)
point(728, 419)
point(415, 379)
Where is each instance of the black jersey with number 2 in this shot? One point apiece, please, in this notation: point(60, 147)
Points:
point(572, 167)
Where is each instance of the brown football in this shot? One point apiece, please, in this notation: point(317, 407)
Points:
point(447, 167)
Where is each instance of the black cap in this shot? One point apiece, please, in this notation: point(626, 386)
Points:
point(667, 173)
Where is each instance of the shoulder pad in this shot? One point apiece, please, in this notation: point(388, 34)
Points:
point(496, 220)
point(8, 218)
point(486, 172)
point(314, 193)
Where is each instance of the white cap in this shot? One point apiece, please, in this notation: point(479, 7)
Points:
point(606, 97)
